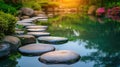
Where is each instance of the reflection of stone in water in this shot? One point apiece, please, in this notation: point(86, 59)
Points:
point(100, 20)
point(76, 33)
point(93, 18)
point(57, 65)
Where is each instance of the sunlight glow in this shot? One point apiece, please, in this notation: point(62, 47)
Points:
point(69, 3)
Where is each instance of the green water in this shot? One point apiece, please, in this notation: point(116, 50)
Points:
point(97, 40)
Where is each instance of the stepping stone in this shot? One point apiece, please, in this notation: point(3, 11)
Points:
point(52, 40)
point(42, 20)
point(37, 34)
point(13, 41)
point(35, 30)
point(27, 39)
point(39, 18)
point(25, 24)
point(19, 32)
point(30, 19)
point(43, 16)
point(25, 21)
point(4, 49)
point(36, 27)
point(36, 49)
point(59, 57)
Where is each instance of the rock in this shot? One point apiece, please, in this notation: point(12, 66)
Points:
point(60, 57)
point(25, 17)
point(27, 39)
point(13, 41)
point(43, 16)
point(42, 20)
point(37, 27)
point(37, 18)
point(30, 19)
point(19, 32)
point(25, 24)
point(36, 49)
point(37, 34)
point(25, 21)
point(92, 9)
point(27, 11)
point(36, 12)
point(4, 49)
point(52, 40)
point(36, 30)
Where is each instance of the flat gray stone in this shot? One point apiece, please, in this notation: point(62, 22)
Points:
point(39, 17)
point(25, 24)
point(36, 49)
point(35, 30)
point(30, 19)
point(25, 21)
point(42, 20)
point(4, 49)
point(37, 34)
point(36, 27)
point(19, 32)
point(52, 40)
point(43, 16)
point(13, 41)
point(60, 57)
point(27, 39)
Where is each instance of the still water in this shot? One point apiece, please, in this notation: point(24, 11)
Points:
point(96, 40)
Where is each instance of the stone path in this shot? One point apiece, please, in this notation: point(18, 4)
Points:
point(33, 32)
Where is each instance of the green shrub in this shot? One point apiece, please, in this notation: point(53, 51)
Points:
point(7, 8)
point(32, 4)
point(36, 6)
point(7, 23)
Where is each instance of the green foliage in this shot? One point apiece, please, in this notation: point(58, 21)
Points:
point(32, 4)
point(7, 8)
point(7, 23)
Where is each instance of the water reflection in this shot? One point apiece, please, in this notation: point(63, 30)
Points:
point(10, 61)
point(102, 34)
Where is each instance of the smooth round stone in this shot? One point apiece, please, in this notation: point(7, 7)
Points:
point(25, 24)
point(19, 32)
point(53, 40)
point(60, 57)
point(42, 20)
point(36, 27)
point(37, 34)
point(4, 49)
point(43, 16)
point(27, 39)
point(36, 30)
point(25, 21)
point(13, 41)
point(36, 49)
point(30, 19)
point(39, 17)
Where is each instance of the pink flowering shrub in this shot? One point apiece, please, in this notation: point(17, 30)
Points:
point(100, 11)
point(115, 11)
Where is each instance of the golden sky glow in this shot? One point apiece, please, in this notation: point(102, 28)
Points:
point(69, 3)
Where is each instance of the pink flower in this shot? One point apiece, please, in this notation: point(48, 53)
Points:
point(100, 11)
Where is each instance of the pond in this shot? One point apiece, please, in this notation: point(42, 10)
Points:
point(96, 40)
